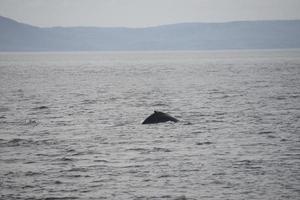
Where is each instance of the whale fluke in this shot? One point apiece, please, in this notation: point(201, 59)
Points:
point(158, 117)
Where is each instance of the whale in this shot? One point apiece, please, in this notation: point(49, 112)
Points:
point(159, 117)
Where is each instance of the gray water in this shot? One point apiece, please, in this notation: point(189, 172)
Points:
point(71, 125)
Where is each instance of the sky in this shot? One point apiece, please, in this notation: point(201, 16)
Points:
point(144, 13)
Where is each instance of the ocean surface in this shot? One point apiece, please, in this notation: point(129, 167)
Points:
point(70, 125)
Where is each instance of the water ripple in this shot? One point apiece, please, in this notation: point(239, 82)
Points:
point(70, 125)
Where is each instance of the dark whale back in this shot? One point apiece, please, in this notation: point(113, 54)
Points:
point(158, 117)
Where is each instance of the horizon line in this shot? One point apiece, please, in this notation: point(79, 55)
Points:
point(150, 26)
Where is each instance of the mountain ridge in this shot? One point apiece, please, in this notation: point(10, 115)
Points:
point(267, 34)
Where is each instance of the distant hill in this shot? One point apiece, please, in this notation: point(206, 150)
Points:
point(15, 36)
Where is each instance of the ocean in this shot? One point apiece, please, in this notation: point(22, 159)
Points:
point(70, 125)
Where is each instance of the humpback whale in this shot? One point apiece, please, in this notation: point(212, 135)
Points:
point(158, 117)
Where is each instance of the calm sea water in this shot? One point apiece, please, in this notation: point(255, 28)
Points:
point(71, 125)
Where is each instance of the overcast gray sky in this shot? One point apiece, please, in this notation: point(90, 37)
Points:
point(142, 13)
